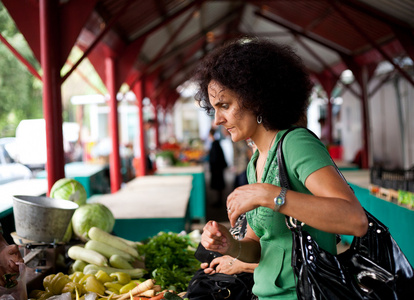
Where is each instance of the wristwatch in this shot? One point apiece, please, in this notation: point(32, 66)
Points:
point(280, 200)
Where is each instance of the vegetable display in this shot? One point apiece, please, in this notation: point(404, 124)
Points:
point(169, 258)
point(105, 267)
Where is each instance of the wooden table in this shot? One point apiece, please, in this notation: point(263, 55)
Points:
point(150, 204)
point(197, 205)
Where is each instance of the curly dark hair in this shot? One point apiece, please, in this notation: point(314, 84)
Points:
point(269, 78)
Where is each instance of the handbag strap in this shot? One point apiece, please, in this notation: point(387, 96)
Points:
point(283, 177)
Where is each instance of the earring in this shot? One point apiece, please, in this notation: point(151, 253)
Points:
point(259, 119)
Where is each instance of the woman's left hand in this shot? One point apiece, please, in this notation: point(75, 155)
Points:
point(248, 197)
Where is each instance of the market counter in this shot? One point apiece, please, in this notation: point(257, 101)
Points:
point(197, 205)
point(398, 219)
point(149, 204)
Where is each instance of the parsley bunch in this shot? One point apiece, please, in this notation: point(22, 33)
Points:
point(169, 257)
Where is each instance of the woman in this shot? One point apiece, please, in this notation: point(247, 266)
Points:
point(257, 90)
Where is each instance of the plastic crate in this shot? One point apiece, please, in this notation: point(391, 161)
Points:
point(393, 179)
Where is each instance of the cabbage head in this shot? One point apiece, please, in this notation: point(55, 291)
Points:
point(69, 189)
point(90, 215)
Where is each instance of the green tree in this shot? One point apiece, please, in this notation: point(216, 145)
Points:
point(20, 91)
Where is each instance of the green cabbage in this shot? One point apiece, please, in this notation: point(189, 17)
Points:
point(90, 215)
point(69, 189)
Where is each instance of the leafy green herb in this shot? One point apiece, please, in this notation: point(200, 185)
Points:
point(169, 257)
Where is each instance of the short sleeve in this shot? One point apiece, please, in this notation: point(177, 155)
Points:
point(304, 154)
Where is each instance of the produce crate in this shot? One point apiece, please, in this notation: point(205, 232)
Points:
point(393, 179)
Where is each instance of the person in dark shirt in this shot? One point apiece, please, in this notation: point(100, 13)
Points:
point(217, 164)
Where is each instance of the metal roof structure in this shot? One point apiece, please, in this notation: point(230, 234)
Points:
point(153, 45)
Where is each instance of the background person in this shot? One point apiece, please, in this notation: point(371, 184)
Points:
point(217, 165)
point(258, 90)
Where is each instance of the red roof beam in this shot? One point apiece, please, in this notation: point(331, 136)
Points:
point(363, 34)
point(21, 58)
point(99, 38)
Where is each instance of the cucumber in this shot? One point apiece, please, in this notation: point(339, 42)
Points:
point(119, 262)
point(107, 250)
point(100, 235)
point(78, 265)
point(134, 273)
point(87, 255)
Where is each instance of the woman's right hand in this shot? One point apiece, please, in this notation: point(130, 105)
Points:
point(216, 237)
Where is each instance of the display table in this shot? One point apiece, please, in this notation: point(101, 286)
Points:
point(197, 205)
point(149, 204)
point(398, 219)
point(93, 177)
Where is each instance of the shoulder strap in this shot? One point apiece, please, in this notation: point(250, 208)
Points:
point(284, 180)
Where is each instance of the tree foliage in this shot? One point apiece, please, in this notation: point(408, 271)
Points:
point(20, 91)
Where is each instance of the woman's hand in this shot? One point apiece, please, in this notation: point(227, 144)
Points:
point(248, 197)
point(216, 237)
point(10, 256)
point(223, 264)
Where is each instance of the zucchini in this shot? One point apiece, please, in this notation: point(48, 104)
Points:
point(100, 235)
point(119, 262)
point(87, 255)
point(134, 273)
point(107, 250)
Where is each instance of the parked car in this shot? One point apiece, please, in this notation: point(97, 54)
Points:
point(10, 170)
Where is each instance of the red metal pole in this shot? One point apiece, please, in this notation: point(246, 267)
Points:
point(52, 102)
point(114, 160)
point(139, 91)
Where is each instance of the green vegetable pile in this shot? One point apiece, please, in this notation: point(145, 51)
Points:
point(169, 257)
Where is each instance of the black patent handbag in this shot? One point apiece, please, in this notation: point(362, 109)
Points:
point(374, 267)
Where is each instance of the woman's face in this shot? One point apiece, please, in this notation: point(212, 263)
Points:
point(241, 124)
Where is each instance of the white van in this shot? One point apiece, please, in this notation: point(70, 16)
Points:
point(31, 141)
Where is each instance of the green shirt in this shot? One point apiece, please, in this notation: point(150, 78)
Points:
point(303, 154)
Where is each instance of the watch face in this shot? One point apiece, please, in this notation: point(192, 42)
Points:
point(279, 201)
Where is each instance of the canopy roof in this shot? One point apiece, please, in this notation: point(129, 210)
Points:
point(153, 46)
point(162, 40)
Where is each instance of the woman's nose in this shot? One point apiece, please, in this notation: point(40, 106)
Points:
point(218, 118)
